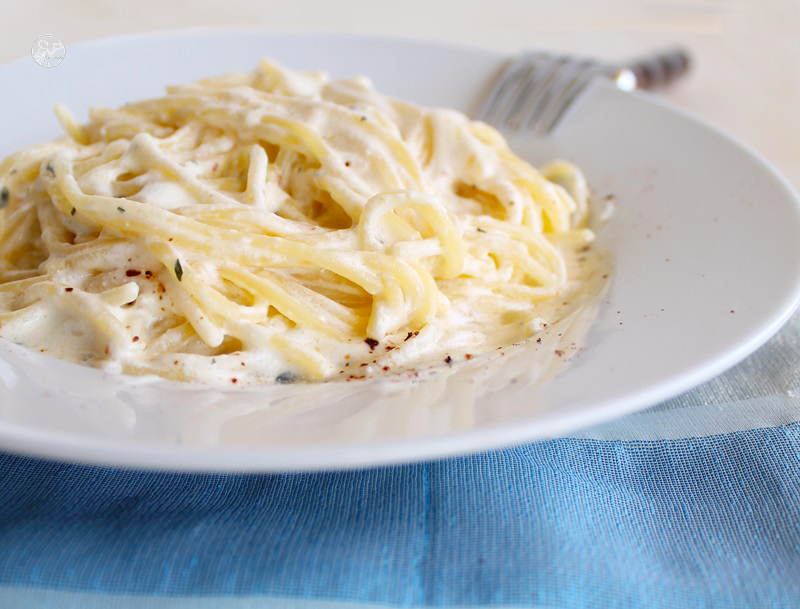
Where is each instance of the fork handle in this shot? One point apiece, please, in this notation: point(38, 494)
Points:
point(653, 71)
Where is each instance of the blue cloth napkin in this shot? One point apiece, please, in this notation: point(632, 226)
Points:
point(697, 522)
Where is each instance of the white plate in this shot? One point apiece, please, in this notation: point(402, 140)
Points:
point(706, 242)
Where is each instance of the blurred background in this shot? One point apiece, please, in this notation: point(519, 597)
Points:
point(746, 76)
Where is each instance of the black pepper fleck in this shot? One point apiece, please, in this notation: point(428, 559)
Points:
point(371, 342)
point(285, 377)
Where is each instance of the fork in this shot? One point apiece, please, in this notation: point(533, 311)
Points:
point(535, 89)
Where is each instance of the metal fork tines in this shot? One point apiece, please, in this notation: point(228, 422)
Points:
point(536, 89)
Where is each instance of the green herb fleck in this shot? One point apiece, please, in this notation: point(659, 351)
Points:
point(4, 195)
point(178, 270)
point(480, 230)
point(72, 211)
point(363, 118)
point(49, 168)
point(121, 210)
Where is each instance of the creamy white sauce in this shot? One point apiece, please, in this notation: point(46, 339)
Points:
point(333, 148)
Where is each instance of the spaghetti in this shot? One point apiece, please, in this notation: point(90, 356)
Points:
point(278, 226)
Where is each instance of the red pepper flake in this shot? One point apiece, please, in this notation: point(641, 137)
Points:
point(371, 342)
point(170, 239)
point(234, 380)
point(148, 274)
point(68, 289)
point(161, 287)
point(389, 347)
point(107, 350)
point(364, 364)
point(468, 356)
point(132, 273)
point(136, 339)
point(539, 340)
point(558, 352)
point(242, 363)
point(175, 362)
point(385, 368)
point(347, 163)
point(410, 334)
